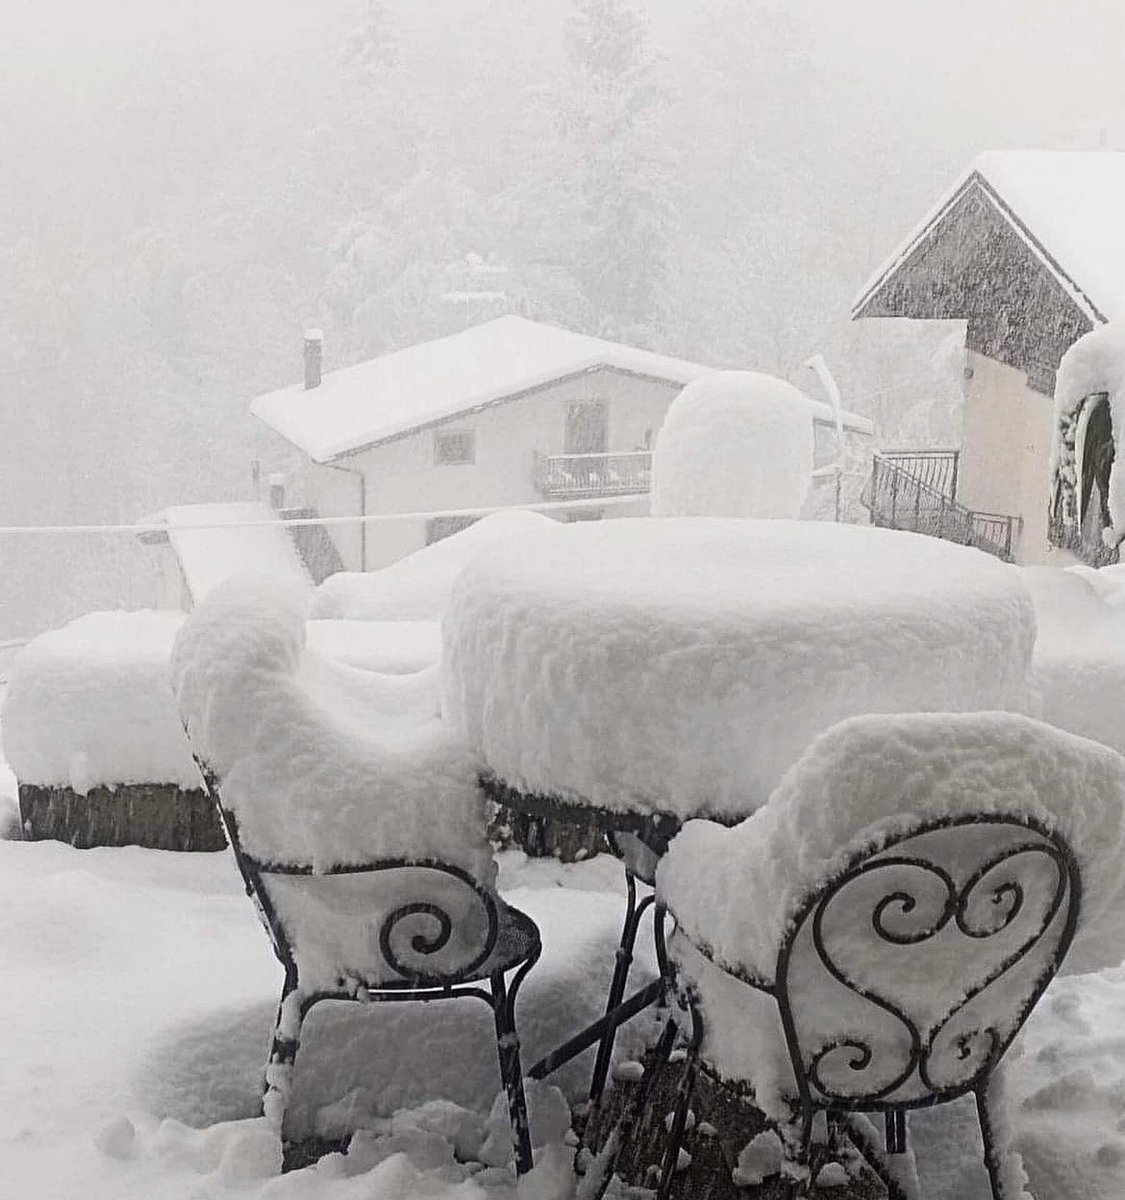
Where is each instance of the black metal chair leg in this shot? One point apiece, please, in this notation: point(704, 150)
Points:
point(600, 1172)
point(622, 962)
point(282, 1055)
point(800, 1156)
point(671, 1157)
point(511, 1071)
point(895, 1122)
point(991, 1157)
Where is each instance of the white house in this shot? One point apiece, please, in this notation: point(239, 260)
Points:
point(511, 412)
point(1028, 248)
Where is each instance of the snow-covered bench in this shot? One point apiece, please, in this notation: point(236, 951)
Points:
point(873, 938)
point(357, 823)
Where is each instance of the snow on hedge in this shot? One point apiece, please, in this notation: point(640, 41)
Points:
point(416, 588)
point(91, 704)
point(869, 779)
point(320, 762)
point(734, 444)
point(683, 664)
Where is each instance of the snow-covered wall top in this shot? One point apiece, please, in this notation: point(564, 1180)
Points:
point(91, 704)
point(320, 762)
point(682, 664)
point(215, 541)
point(387, 396)
point(734, 444)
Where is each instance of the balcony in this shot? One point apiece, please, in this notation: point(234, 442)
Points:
point(581, 476)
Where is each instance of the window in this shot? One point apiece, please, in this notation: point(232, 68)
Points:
point(453, 447)
point(443, 527)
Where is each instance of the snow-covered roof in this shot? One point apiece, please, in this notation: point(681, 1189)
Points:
point(396, 393)
point(1066, 205)
point(215, 541)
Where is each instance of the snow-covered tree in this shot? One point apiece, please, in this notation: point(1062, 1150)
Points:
point(610, 106)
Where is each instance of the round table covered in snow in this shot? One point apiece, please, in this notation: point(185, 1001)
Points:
point(678, 666)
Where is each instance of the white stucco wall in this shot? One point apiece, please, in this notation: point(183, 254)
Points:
point(1006, 450)
point(401, 476)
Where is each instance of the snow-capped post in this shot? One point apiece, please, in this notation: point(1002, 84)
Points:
point(314, 344)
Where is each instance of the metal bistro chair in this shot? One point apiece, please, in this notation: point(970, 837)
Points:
point(401, 944)
point(900, 974)
point(392, 927)
point(1006, 891)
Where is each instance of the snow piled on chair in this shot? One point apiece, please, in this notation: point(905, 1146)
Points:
point(874, 777)
point(320, 763)
point(867, 782)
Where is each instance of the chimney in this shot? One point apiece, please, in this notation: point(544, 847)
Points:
point(314, 342)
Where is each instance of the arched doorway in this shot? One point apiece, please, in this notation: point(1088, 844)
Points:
point(1094, 453)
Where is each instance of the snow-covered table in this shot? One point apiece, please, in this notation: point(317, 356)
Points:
point(642, 672)
point(678, 667)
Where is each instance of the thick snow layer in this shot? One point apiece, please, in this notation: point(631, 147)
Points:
point(395, 393)
point(1095, 363)
point(1079, 663)
point(321, 763)
point(416, 588)
point(872, 777)
point(91, 704)
point(391, 647)
point(736, 891)
point(243, 537)
point(683, 664)
point(734, 444)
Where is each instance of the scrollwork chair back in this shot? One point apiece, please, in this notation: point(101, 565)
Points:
point(902, 981)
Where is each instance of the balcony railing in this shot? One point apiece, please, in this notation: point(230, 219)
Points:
point(576, 476)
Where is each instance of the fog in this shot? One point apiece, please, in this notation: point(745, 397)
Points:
point(186, 186)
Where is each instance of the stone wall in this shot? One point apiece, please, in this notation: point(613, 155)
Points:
point(157, 815)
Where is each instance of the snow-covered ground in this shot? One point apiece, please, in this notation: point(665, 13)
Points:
point(138, 995)
point(139, 992)
point(137, 1002)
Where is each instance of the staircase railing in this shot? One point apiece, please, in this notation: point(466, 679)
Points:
point(899, 499)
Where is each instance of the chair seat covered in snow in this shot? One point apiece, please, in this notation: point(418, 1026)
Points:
point(357, 823)
point(874, 937)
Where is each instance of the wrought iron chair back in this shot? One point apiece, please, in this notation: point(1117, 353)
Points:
point(902, 980)
point(404, 946)
point(940, 942)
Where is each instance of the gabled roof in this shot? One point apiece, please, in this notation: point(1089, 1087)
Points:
point(397, 393)
point(1068, 206)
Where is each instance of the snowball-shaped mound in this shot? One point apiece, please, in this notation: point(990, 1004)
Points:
point(416, 588)
point(321, 763)
point(682, 665)
point(874, 777)
point(734, 444)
